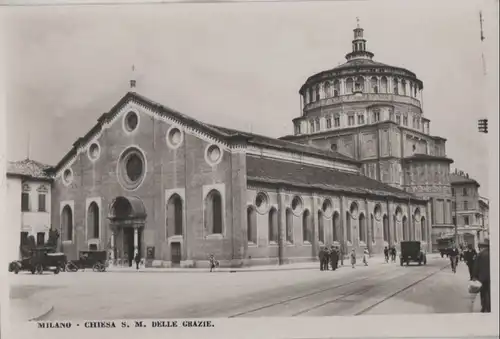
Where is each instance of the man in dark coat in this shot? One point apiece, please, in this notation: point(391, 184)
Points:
point(321, 256)
point(454, 258)
point(386, 254)
point(469, 257)
point(334, 259)
point(137, 259)
point(481, 273)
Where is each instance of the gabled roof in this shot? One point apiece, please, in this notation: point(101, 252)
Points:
point(28, 169)
point(225, 134)
point(278, 172)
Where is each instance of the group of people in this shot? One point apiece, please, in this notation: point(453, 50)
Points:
point(390, 252)
point(479, 268)
point(330, 256)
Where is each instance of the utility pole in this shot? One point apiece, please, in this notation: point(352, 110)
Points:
point(456, 221)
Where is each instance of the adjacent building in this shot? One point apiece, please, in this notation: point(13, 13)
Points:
point(29, 189)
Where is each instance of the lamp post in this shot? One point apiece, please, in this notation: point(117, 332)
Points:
point(456, 221)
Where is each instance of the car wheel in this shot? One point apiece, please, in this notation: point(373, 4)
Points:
point(56, 271)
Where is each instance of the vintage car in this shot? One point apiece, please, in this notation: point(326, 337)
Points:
point(40, 260)
point(411, 251)
point(97, 260)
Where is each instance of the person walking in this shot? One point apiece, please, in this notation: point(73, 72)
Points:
point(393, 254)
point(137, 259)
point(321, 257)
point(334, 260)
point(353, 258)
point(454, 258)
point(386, 255)
point(366, 255)
point(481, 273)
point(469, 258)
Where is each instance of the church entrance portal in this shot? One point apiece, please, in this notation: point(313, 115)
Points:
point(127, 217)
point(175, 250)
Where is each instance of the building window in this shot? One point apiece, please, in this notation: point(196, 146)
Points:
point(174, 216)
point(40, 238)
point(297, 129)
point(311, 123)
point(311, 98)
point(131, 121)
point(349, 86)
point(464, 192)
point(321, 227)
point(398, 119)
point(328, 123)
point(306, 220)
point(348, 227)
point(454, 220)
point(336, 226)
point(273, 225)
point(453, 191)
point(466, 205)
point(336, 121)
point(317, 93)
point(391, 116)
point(67, 223)
point(41, 203)
point(131, 169)
point(25, 202)
point(350, 120)
point(24, 238)
point(376, 116)
point(93, 221)
point(362, 228)
point(405, 120)
point(334, 147)
point(317, 125)
point(213, 209)
point(251, 225)
point(289, 226)
point(396, 85)
point(466, 220)
point(361, 119)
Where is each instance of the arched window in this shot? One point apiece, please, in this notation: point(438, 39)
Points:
point(311, 95)
point(396, 233)
point(321, 227)
point(423, 228)
point(336, 88)
point(386, 228)
point(411, 88)
point(93, 221)
point(360, 84)
point(213, 212)
point(251, 225)
point(289, 225)
point(348, 226)
point(383, 85)
point(403, 86)
point(349, 86)
point(374, 85)
point(372, 228)
point(273, 225)
point(396, 86)
point(406, 232)
point(318, 96)
point(306, 223)
point(336, 227)
point(174, 216)
point(328, 89)
point(67, 223)
point(362, 228)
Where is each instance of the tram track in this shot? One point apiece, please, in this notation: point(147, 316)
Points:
point(342, 297)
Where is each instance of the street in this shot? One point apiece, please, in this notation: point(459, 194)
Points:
point(379, 288)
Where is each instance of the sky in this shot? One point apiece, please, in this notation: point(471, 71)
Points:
point(241, 65)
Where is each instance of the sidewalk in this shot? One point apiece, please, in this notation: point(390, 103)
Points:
point(377, 259)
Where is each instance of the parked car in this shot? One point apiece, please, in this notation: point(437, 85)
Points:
point(40, 260)
point(97, 260)
point(411, 251)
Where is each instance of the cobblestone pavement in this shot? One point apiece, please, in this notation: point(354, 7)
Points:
point(347, 291)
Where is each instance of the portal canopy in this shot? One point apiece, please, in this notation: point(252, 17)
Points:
point(125, 210)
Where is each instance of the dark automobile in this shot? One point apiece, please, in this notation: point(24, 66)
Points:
point(40, 260)
point(97, 260)
point(412, 251)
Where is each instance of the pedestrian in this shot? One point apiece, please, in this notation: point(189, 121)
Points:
point(469, 258)
point(453, 255)
point(393, 253)
point(366, 255)
point(386, 255)
point(333, 258)
point(481, 273)
point(137, 259)
point(321, 256)
point(353, 258)
point(212, 262)
point(326, 259)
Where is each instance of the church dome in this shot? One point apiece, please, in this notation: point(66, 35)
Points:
point(361, 79)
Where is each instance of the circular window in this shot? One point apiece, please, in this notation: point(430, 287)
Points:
point(213, 154)
point(354, 210)
point(327, 207)
point(296, 204)
point(174, 137)
point(334, 147)
point(131, 121)
point(131, 168)
point(399, 214)
point(94, 151)
point(261, 202)
point(67, 176)
point(377, 212)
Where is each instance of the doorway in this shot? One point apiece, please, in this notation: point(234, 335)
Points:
point(128, 243)
point(175, 252)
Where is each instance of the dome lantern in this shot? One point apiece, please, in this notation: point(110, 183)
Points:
point(359, 45)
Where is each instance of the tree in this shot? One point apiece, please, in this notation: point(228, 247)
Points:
point(53, 238)
point(29, 246)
